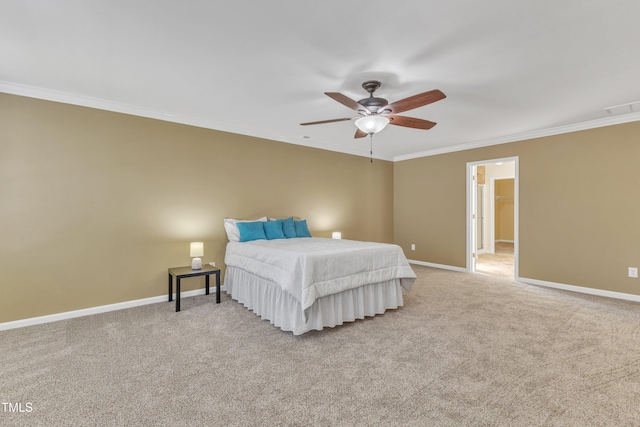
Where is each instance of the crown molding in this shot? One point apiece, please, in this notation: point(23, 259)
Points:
point(592, 124)
point(101, 104)
point(117, 107)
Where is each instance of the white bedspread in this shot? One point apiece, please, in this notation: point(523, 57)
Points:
point(310, 268)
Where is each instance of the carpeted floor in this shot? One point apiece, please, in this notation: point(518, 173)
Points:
point(464, 350)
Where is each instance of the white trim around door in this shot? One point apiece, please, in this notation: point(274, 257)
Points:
point(471, 207)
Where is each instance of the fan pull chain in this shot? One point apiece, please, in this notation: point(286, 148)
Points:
point(371, 146)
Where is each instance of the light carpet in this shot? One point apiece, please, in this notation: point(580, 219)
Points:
point(464, 350)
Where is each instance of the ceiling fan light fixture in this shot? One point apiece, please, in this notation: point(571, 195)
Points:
point(372, 124)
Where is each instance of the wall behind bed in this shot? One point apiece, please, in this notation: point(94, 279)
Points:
point(95, 206)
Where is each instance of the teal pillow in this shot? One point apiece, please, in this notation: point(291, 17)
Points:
point(273, 230)
point(289, 228)
point(251, 231)
point(302, 230)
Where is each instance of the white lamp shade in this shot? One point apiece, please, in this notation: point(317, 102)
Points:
point(197, 249)
point(336, 235)
point(372, 124)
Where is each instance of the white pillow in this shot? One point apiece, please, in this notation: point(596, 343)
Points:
point(231, 227)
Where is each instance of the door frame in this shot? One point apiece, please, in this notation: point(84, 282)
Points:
point(472, 206)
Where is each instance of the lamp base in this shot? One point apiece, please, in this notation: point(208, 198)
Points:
point(196, 264)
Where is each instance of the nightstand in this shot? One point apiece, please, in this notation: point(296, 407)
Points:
point(183, 272)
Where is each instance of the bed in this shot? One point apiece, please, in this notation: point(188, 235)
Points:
point(306, 283)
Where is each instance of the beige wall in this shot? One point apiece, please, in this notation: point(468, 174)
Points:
point(579, 206)
point(95, 206)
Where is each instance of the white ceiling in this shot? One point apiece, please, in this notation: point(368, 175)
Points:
point(510, 69)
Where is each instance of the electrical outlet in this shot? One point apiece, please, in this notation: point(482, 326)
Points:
point(413, 247)
point(633, 272)
point(212, 264)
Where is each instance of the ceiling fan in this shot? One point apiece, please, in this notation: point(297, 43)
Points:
point(377, 112)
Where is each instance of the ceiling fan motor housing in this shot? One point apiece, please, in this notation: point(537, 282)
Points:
point(372, 104)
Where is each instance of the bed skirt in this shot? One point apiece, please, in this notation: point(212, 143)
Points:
point(271, 303)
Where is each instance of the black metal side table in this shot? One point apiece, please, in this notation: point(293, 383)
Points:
point(183, 272)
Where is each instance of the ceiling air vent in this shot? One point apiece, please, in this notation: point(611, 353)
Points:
point(632, 107)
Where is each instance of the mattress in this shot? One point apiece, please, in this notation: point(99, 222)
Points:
point(313, 267)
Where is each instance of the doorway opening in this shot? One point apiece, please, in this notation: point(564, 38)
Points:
point(492, 217)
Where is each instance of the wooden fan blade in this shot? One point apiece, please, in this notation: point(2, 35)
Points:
point(360, 134)
point(325, 121)
point(344, 100)
point(415, 101)
point(411, 122)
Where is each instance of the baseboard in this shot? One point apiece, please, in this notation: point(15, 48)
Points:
point(580, 289)
point(95, 310)
point(442, 266)
point(562, 286)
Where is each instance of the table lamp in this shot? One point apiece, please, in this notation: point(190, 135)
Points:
point(197, 250)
